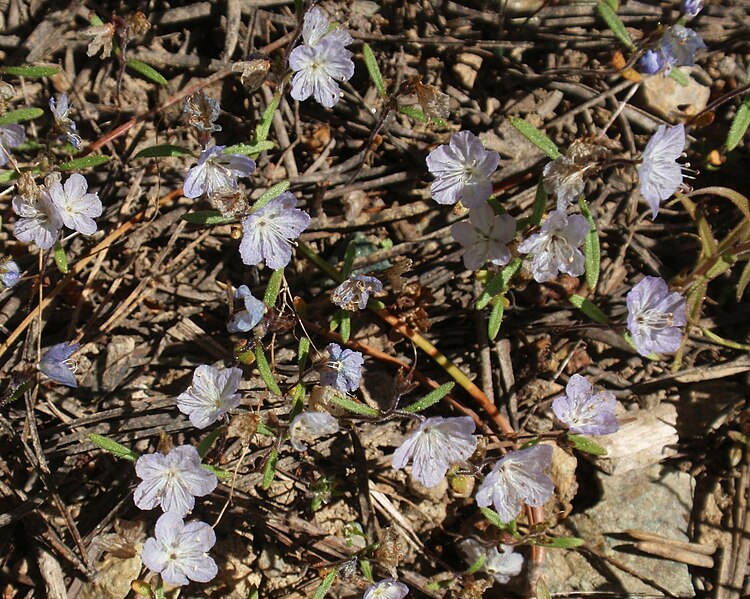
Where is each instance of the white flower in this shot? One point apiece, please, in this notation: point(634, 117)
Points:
point(462, 170)
point(11, 136)
point(212, 394)
point(485, 237)
point(501, 566)
point(435, 446)
point(516, 479)
point(659, 174)
point(387, 589)
point(311, 425)
point(216, 171)
point(40, 221)
point(179, 551)
point(585, 412)
point(555, 248)
point(76, 208)
point(655, 316)
point(321, 60)
point(172, 481)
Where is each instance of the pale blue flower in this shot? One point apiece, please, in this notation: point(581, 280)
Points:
point(58, 366)
point(343, 368)
point(659, 173)
point(501, 566)
point(76, 207)
point(485, 237)
point(691, 8)
point(215, 172)
point(11, 136)
point(585, 412)
point(267, 234)
point(655, 316)
point(40, 221)
point(179, 551)
point(516, 479)
point(321, 60)
point(676, 48)
point(212, 394)
point(387, 589)
point(436, 445)
point(354, 293)
point(9, 273)
point(462, 170)
point(247, 319)
point(555, 248)
point(309, 426)
point(172, 481)
point(64, 126)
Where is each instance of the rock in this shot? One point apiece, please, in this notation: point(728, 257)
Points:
point(667, 98)
point(654, 499)
point(466, 69)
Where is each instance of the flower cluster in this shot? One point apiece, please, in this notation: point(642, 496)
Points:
point(676, 48)
point(42, 217)
point(321, 60)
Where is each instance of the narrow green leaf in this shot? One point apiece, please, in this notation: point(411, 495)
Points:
point(21, 115)
point(269, 194)
point(535, 136)
point(542, 592)
point(499, 283)
point(366, 568)
point(220, 473)
point(373, 69)
point(325, 586)
point(477, 565)
point(298, 399)
point(349, 255)
point(679, 77)
point(265, 370)
point(416, 113)
point(61, 260)
point(264, 430)
point(494, 519)
point(264, 124)
point(589, 308)
point(299, 8)
point(6, 176)
point(79, 164)
point(30, 71)
point(586, 445)
point(743, 281)
point(208, 441)
point(273, 287)
point(162, 151)
point(540, 204)
point(591, 249)
point(303, 352)
point(430, 399)
point(560, 542)
point(346, 325)
point(147, 71)
point(269, 470)
point(496, 317)
point(739, 125)
point(725, 342)
point(355, 406)
point(209, 218)
point(615, 24)
point(254, 593)
point(113, 447)
point(250, 149)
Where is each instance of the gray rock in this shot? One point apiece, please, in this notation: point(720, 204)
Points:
point(667, 98)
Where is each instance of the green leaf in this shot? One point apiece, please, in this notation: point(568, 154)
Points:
point(147, 71)
point(586, 445)
point(273, 287)
point(430, 399)
point(30, 71)
point(589, 308)
point(560, 542)
point(254, 593)
point(113, 447)
point(615, 24)
point(591, 250)
point(355, 406)
point(373, 69)
point(79, 164)
point(265, 370)
point(679, 77)
point(349, 255)
point(540, 204)
point(208, 441)
point(303, 352)
point(162, 151)
point(496, 317)
point(21, 115)
point(325, 586)
point(298, 399)
point(499, 283)
point(269, 194)
point(477, 565)
point(346, 325)
point(743, 281)
point(414, 112)
point(269, 470)
point(542, 592)
point(739, 126)
point(494, 519)
point(6, 176)
point(61, 261)
point(264, 430)
point(535, 136)
point(264, 124)
point(250, 149)
point(209, 218)
point(220, 473)
point(366, 568)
